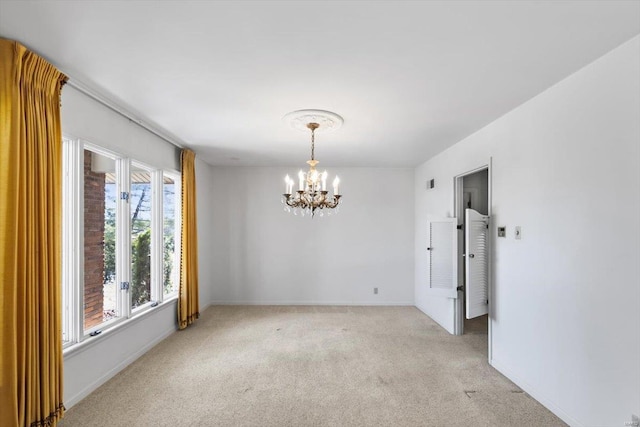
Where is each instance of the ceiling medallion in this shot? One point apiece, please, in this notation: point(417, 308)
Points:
point(312, 194)
point(327, 121)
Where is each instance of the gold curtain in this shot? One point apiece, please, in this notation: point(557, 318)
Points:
point(188, 306)
point(30, 239)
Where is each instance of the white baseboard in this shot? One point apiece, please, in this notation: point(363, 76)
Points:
point(535, 393)
point(319, 303)
point(119, 367)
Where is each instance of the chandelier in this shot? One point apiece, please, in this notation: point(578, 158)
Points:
point(312, 195)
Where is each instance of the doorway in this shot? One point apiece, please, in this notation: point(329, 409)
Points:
point(472, 191)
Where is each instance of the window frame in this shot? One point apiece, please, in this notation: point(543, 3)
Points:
point(177, 215)
point(154, 220)
point(73, 240)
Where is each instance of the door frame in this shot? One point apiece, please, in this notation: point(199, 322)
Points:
point(458, 209)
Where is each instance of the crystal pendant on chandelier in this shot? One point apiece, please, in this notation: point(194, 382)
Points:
point(312, 195)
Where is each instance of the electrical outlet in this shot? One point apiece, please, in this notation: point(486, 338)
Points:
point(518, 232)
point(375, 291)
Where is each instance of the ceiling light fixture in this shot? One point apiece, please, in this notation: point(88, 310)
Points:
point(312, 194)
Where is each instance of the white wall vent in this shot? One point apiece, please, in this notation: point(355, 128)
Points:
point(431, 183)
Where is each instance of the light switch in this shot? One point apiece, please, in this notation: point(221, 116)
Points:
point(518, 232)
point(502, 231)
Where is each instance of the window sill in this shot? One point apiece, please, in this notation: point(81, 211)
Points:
point(90, 341)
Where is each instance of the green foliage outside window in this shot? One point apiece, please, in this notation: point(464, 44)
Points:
point(141, 269)
point(140, 247)
point(169, 247)
point(109, 247)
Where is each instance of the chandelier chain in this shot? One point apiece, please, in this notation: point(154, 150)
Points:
point(313, 143)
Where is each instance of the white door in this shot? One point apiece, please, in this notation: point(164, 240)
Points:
point(442, 250)
point(476, 236)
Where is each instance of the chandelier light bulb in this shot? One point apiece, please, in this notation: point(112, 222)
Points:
point(288, 185)
point(336, 186)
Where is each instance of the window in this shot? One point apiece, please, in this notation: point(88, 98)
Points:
point(140, 203)
point(120, 225)
point(99, 286)
point(170, 234)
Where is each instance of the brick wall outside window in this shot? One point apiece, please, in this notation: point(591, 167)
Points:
point(94, 194)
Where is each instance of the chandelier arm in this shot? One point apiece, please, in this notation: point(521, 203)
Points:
point(333, 203)
point(291, 202)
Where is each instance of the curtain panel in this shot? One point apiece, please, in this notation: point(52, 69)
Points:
point(188, 306)
point(30, 239)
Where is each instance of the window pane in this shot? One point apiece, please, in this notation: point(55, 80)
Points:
point(140, 202)
point(99, 239)
point(169, 270)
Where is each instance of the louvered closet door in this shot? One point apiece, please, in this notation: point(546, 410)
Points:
point(442, 251)
point(476, 263)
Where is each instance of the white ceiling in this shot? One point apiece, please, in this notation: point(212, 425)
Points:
point(409, 78)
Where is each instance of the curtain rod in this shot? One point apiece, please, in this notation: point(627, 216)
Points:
point(123, 112)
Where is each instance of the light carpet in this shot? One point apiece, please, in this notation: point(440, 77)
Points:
point(312, 366)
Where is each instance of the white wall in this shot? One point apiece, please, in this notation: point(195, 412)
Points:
point(84, 118)
point(204, 206)
point(99, 358)
point(263, 255)
point(565, 317)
